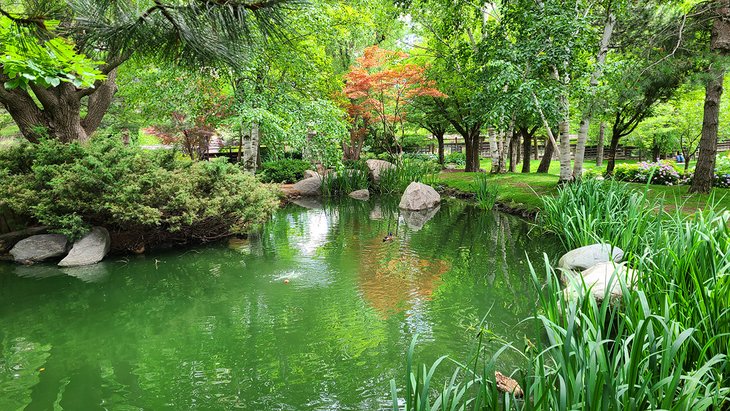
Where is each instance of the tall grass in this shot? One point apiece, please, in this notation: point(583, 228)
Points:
point(592, 357)
point(396, 179)
point(345, 181)
point(486, 193)
point(663, 346)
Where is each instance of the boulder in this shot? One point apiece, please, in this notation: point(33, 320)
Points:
point(415, 220)
point(600, 279)
point(590, 255)
point(310, 174)
point(308, 187)
point(363, 194)
point(39, 248)
point(376, 167)
point(419, 196)
point(90, 249)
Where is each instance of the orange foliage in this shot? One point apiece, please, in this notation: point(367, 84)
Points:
point(379, 89)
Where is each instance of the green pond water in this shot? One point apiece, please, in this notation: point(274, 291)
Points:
point(315, 313)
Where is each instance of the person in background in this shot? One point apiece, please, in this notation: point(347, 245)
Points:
point(680, 158)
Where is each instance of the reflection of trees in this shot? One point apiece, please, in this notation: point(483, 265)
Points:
point(211, 328)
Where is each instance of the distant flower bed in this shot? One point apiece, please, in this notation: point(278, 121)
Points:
point(661, 172)
point(664, 173)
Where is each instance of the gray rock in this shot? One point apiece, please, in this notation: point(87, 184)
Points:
point(363, 194)
point(310, 174)
point(309, 187)
point(419, 196)
point(415, 220)
point(590, 255)
point(39, 248)
point(90, 249)
point(376, 167)
point(603, 279)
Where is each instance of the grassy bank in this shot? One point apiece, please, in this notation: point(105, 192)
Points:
point(524, 191)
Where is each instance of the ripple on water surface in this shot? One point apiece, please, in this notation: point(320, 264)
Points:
point(314, 312)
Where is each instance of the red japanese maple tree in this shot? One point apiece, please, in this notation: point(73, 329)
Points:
point(379, 90)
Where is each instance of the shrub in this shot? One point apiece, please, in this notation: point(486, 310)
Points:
point(283, 171)
point(455, 158)
point(661, 173)
point(150, 195)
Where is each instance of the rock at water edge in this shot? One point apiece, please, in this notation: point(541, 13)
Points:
point(309, 187)
point(376, 167)
point(419, 196)
point(39, 248)
point(363, 194)
point(90, 249)
point(585, 257)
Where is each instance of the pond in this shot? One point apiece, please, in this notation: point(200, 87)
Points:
point(315, 312)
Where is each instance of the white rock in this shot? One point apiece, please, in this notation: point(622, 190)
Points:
point(590, 255)
point(601, 279)
point(39, 248)
point(419, 196)
point(363, 194)
point(376, 167)
point(90, 249)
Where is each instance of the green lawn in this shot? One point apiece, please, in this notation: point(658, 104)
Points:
point(524, 191)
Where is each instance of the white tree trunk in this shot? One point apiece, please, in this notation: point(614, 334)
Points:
point(566, 174)
point(504, 152)
point(580, 149)
point(493, 149)
point(255, 139)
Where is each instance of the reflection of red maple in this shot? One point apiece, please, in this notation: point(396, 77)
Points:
point(379, 88)
point(391, 285)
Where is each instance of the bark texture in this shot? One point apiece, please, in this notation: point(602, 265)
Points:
point(705, 169)
point(599, 146)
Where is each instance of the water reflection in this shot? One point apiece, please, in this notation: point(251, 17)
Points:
point(216, 327)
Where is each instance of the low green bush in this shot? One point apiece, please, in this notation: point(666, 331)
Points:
point(151, 195)
point(283, 171)
point(455, 158)
point(346, 180)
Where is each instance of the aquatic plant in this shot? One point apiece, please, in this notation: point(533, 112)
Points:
point(346, 180)
point(395, 180)
point(486, 193)
point(593, 356)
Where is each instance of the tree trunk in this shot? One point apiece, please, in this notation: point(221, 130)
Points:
point(705, 169)
point(255, 140)
point(514, 149)
point(493, 149)
point(580, 149)
point(599, 146)
point(476, 138)
point(440, 139)
point(544, 166)
point(526, 142)
point(504, 154)
point(615, 137)
point(56, 111)
point(655, 152)
point(535, 145)
point(566, 174)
